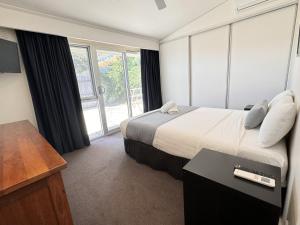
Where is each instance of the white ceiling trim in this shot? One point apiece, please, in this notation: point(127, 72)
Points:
point(79, 22)
point(17, 18)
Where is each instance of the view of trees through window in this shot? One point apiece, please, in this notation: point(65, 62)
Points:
point(112, 70)
point(115, 87)
point(83, 71)
point(135, 82)
point(112, 77)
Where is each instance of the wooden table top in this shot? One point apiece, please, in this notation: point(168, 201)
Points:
point(25, 156)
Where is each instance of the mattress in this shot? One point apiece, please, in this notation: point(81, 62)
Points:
point(216, 129)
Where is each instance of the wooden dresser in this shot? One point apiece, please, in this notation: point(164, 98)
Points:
point(31, 187)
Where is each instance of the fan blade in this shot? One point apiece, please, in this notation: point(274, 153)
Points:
point(160, 4)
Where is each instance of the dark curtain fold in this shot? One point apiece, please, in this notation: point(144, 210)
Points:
point(54, 90)
point(150, 80)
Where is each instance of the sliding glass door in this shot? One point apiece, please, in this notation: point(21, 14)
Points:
point(110, 87)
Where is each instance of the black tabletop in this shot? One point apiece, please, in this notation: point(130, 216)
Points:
point(219, 167)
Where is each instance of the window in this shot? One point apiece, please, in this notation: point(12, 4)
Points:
point(89, 100)
point(80, 57)
point(135, 82)
point(110, 87)
point(112, 81)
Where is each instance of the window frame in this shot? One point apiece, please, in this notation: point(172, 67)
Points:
point(127, 77)
point(92, 48)
point(92, 74)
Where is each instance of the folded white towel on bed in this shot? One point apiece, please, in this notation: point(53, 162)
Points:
point(172, 110)
point(166, 107)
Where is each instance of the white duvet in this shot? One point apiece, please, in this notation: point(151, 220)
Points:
point(216, 129)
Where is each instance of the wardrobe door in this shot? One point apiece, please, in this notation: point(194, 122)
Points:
point(260, 53)
point(174, 67)
point(209, 63)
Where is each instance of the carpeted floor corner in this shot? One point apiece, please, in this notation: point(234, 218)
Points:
point(106, 187)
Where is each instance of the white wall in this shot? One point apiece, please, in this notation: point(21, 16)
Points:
point(292, 210)
point(174, 68)
point(209, 64)
point(15, 18)
point(15, 98)
point(293, 194)
point(259, 51)
point(223, 15)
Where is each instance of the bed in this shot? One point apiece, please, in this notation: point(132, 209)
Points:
point(167, 142)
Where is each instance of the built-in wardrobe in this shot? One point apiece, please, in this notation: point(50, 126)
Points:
point(230, 66)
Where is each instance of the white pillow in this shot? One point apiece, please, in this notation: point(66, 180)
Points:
point(165, 108)
point(282, 100)
point(280, 96)
point(278, 122)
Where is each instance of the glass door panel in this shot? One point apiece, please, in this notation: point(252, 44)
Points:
point(111, 84)
point(89, 100)
point(135, 82)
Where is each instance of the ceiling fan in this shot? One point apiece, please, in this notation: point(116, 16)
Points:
point(160, 4)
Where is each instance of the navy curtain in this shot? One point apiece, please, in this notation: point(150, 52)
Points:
point(150, 80)
point(54, 90)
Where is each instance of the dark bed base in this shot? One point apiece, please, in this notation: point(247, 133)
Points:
point(155, 158)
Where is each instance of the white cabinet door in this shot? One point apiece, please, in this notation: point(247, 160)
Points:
point(174, 67)
point(259, 57)
point(209, 58)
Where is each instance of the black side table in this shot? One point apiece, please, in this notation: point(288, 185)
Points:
point(214, 196)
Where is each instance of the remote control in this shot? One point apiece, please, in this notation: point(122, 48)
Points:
point(270, 182)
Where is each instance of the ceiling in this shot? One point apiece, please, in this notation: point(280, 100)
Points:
point(135, 16)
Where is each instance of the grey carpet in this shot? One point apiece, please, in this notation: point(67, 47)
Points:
point(106, 187)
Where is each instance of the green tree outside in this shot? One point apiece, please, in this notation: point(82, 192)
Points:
point(112, 78)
